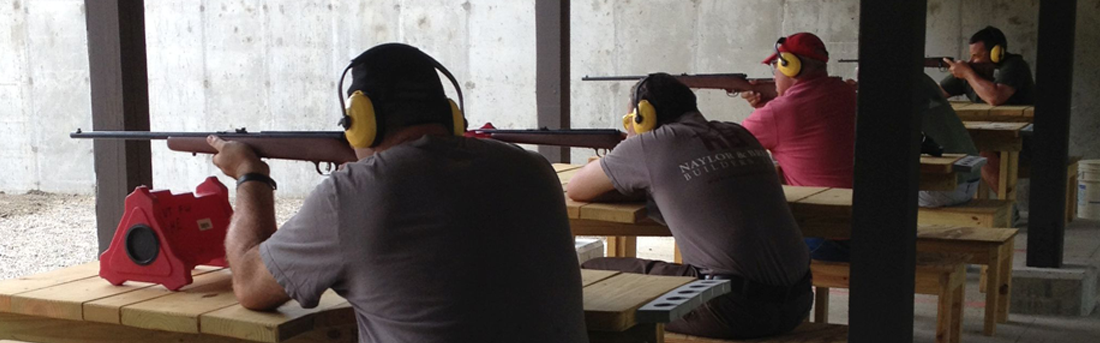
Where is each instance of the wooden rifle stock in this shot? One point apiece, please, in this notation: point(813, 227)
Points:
point(731, 83)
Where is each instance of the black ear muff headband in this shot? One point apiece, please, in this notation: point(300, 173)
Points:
point(345, 121)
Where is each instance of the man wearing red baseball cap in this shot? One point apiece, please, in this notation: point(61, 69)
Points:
point(810, 127)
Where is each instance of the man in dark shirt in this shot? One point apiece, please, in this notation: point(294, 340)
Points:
point(1011, 84)
point(719, 193)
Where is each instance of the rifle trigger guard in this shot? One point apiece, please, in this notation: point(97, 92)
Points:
point(329, 167)
point(732, 93)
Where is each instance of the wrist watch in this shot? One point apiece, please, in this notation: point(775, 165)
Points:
point(256, 177)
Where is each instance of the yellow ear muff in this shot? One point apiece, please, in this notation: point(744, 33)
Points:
point(364, 125)
point(627, 120)
point(645, 118)
point(997, 54)
point(457, 118)
point(793, 65)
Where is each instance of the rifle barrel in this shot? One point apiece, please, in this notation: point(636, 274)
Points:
point(152, 135)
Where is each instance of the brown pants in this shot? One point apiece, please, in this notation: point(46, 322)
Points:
point(731, 316)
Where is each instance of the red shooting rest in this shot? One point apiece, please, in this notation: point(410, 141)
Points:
point(163, 236)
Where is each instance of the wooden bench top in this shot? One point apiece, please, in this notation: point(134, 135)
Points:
point(979, 111)
point(208, 305)
point(983, 206)
point(805, 333)
point(995, 236)
point(926, 262)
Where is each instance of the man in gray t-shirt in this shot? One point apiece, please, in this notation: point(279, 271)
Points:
point(430, 237)
point(717, 190)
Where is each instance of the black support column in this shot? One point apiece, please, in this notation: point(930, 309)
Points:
point(1050, 151)
point(552, 71)
point(884, 213)
point(120, 101)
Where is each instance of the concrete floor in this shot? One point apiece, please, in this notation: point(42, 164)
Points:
point(1082, 244)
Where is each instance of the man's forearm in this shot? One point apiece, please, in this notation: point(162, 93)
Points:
point(253, 220)
point(987, 90)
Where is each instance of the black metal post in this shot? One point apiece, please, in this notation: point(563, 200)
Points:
point(884, 213)
point(1050, 152)
point(120, 101)
point(552, 71)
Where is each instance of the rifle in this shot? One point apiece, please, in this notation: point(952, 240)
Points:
point(332, 148)
point(984, 69)
point(731, 83)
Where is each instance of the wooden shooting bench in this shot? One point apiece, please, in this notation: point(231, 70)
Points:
point(971, 111)
point(827, 212)
point(805, 333)
point(1005, 139)
point(75, 305)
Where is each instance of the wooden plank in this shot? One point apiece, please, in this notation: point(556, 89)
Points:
point(805, 333)
point(289, 320)
point(939, 165)
point(573, 207)
point(614, 212)
point(591, 276)
point(565, 176)
point(1007, 111)
point(10, 287)
point(977, 212)
point(609, 305)
point(646, 227)
point(796, 193)
point(958, 105)
point(39, 329)
point(966, 234)
point(560, 167)
point(938, 182)
point(827, 214)
point(109, 310)
point(66, 301)
point(179, 311)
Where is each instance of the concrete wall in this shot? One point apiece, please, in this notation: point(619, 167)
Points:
point(273, 65)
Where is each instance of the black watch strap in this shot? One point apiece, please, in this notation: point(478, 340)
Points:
point(256, 177)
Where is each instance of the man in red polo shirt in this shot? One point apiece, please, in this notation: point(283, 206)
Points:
point(810, 127)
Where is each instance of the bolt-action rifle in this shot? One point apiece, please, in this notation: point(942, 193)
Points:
point(984, 69)
point(332, 148)
point(731, 83)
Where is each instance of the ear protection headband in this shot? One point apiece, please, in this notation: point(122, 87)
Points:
point(644, 117)
point(789, 64)
point(361, 122)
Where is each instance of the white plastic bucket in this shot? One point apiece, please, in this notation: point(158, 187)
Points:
point(1088, 189)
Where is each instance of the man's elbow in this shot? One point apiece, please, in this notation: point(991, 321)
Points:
point(578, 193)
point(254, 301)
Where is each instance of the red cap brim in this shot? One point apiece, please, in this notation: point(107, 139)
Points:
point(770, 59)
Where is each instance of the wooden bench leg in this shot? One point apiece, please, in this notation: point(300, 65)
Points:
point(622, 246)
point(944, 315)
point(957, 313)
point(992, 293)
point(1002, 175)
point(821, 305)
point(1005, 288)
point(1012, 175)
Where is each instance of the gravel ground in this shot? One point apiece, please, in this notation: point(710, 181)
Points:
point(43, 231)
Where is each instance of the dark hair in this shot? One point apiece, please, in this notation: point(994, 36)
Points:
point(669, 96)
point(990, 37)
